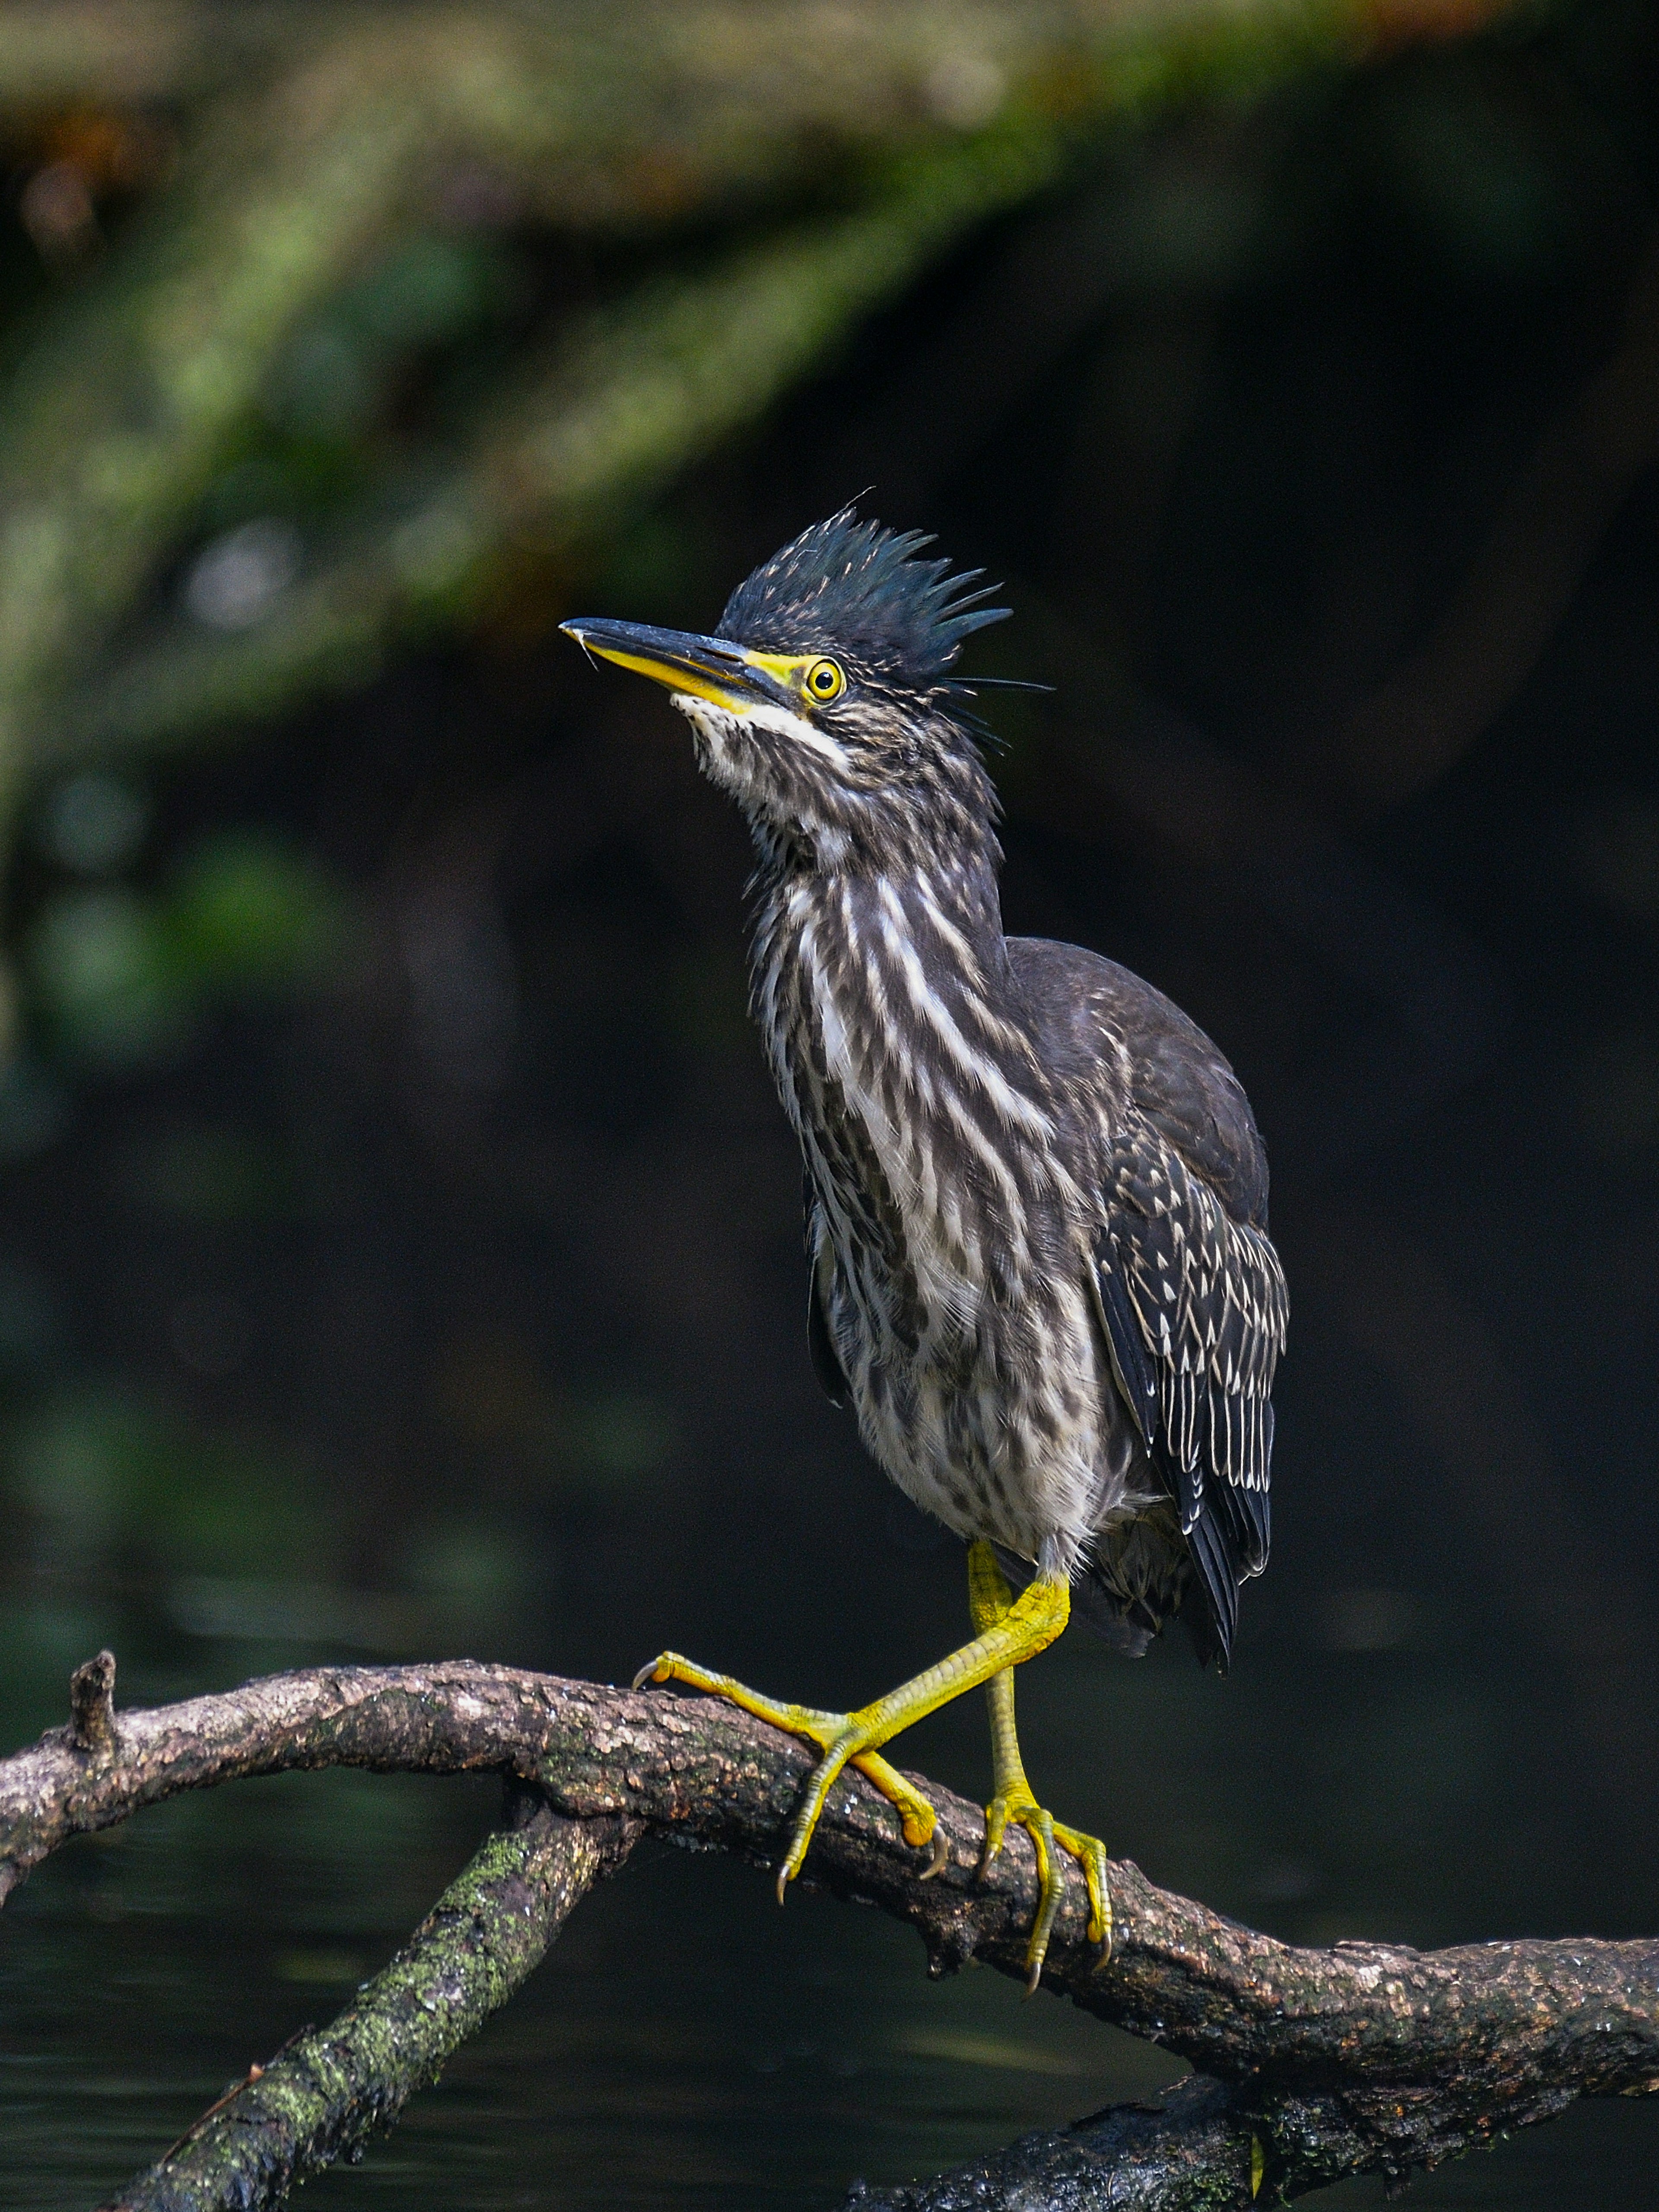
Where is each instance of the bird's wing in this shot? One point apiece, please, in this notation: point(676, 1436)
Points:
point(1190, 1290)
point(1097, 1020)
point(1194, 1309)
point(826, 1363)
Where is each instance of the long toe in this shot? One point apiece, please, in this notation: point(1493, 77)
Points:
point(844, 1739)
point(1090, 1855)
point(1050, 1838)
point(1050, 1889)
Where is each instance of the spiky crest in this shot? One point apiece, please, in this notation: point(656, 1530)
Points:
point(853, 587)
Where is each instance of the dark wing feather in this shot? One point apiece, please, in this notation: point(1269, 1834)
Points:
point(1132, 1363)
point(1208, 1298)
point(826, 1362)
point(1095, 1019)
point(1188, 1288)
point(1212, 1555)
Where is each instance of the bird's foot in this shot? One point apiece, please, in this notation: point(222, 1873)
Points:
point(844, 1739)
point(1015, 1803)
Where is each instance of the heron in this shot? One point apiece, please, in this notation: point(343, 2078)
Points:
point(1036, 1199)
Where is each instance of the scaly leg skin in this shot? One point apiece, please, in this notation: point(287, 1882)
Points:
point(1025, 1628)
point(989, 1600)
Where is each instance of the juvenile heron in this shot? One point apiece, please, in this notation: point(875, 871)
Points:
point(1036, 1203)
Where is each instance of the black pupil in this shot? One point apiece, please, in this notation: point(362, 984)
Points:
point(825, 679)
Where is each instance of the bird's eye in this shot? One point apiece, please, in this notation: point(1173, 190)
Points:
point(825, 681)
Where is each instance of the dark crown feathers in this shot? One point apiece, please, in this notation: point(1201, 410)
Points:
point(852, 586)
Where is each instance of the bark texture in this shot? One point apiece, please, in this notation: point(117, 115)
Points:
point(1193, 2152)
point(1362, 2057)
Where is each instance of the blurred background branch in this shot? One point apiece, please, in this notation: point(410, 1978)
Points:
point(1521, 580)
point(208, 504)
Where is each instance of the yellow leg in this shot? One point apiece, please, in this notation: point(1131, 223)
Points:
point(989, 1600)
point(1025, 1628)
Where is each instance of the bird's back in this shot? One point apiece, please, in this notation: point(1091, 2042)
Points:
point(1080, 1007)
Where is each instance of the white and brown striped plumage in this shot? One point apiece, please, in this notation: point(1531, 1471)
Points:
point(1037, 1200)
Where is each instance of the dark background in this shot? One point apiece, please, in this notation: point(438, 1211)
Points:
point(406, 1260)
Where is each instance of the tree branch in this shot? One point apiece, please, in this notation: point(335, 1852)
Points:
point(1362, 2058)
point(1197, 2149)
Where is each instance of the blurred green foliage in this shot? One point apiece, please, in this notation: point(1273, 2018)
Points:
point(344, 309)
point(210, 1175)
point(245, 913)
point(230, 1538)
point(123, 977)
point(100, 1475)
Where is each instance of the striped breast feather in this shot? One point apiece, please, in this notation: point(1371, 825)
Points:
point(1194, 1309)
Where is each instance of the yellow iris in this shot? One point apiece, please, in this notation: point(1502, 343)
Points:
point(819, 679)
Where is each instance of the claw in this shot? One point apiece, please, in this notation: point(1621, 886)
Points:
point(1018, 1806)
point(941, 1857)
point(1090, 1855)
point(996, 1831)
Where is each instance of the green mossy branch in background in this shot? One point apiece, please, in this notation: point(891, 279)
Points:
point(624, 399)
point(313, 143)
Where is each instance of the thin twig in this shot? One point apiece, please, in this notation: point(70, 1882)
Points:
point(255, 2073)
point(91, 1705)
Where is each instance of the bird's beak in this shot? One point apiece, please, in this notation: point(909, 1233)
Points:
point(705, 667)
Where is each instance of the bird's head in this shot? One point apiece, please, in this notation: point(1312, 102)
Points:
point(822, 702)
